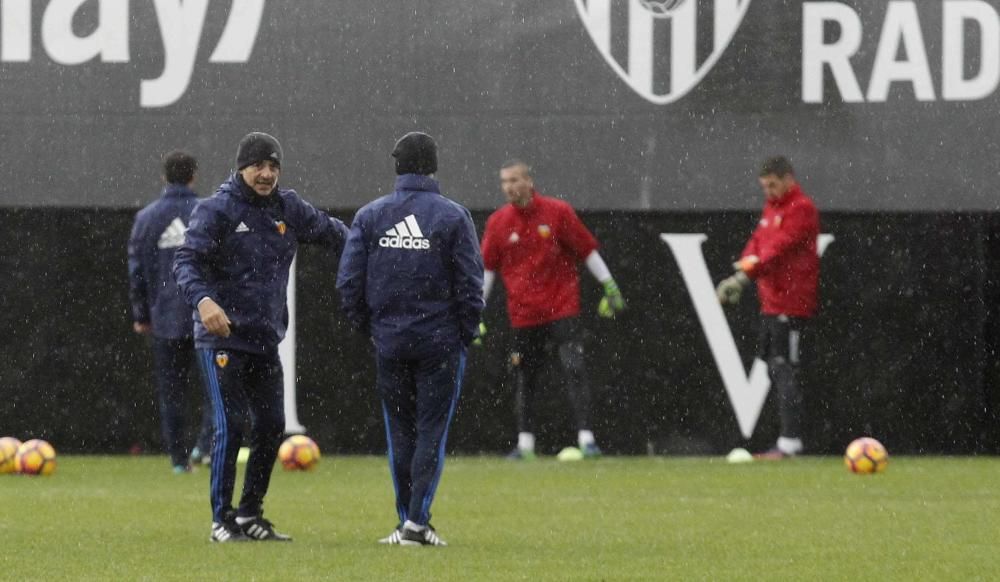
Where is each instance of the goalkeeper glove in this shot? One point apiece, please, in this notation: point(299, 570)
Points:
point(612, 302)
point(730, 289)
point(482, 333)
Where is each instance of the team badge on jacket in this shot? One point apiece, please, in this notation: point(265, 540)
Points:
point(544, 231)
point(281, 227)
point(221, 359)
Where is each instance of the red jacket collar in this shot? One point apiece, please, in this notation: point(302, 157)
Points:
point(794, 192)
point(531, 207)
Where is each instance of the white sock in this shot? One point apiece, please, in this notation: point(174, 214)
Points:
point(585, 438)
point(242, 520)
point(526, 441)
point(790, 446)
point(414, 527)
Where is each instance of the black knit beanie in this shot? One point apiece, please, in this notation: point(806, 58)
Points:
point(416, 153)
point(256, 147)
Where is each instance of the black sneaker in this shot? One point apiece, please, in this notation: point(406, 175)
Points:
point(227, 530)
point(424, 537)
point(262, 530)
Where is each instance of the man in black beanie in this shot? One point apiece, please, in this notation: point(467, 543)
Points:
point(416, 153)
point(257, 147)
point(233, 269)
point(411, 277)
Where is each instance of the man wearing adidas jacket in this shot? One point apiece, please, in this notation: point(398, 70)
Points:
point(411, 277)
point(233, 267)
point(159, 310)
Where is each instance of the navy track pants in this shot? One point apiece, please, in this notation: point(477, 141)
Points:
point(172, 363)
point(419, 397)
point(244, 388)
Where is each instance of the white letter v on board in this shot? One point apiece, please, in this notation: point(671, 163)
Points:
point(746, 393)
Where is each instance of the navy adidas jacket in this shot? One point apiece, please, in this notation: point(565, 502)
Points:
point(156, 234)
point(411, 273)
point(238, 250)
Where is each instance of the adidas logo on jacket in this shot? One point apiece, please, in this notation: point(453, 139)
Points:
point(413, 304)
point(405, 235)
point(172, 236)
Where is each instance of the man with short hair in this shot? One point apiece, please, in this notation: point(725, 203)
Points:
point(159, 310)
point(535, 243)
point(781, 258)
point(233, 268)
point(411, 277)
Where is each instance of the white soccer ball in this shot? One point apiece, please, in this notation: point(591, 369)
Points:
point(661, 8)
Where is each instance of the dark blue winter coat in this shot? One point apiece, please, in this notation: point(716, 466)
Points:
point(156, 234)
point(411, 273)
point(238, 250)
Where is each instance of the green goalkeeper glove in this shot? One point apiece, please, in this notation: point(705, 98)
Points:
point(478, 342)
point(612, 303)
point(730, 289)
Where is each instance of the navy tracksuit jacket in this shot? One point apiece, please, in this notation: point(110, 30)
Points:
point(156, 234)
point(411, 275)
point(155, 299)
point(237, 251)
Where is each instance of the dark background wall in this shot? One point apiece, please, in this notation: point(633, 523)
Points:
point(905, 347)
point(339, 81)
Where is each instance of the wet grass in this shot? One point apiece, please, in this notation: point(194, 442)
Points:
point(129, 518)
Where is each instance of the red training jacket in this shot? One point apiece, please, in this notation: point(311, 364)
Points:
point(785, 241)
point(535, 249)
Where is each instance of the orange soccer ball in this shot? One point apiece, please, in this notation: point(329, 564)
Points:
point(35, 457)
point(8, 454)
point(866, 456)
point(298, 453)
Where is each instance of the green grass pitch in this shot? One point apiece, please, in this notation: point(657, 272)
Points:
point(130, 518)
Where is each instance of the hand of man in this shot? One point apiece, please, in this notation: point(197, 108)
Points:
point(730, 289)
point(214, 318)
point(142, 328)
point(747, 264)
point(612, 303)
point(478, 342)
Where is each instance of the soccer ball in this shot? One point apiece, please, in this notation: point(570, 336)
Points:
point(661, 8)
point(8, 454)
point(35, 457)
point(866, 456)
point(298, 453)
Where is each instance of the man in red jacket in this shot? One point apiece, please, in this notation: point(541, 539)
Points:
point(781, 258)
point(535, 243)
